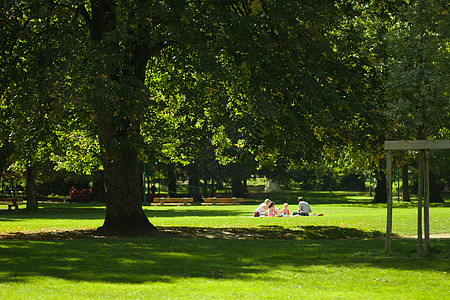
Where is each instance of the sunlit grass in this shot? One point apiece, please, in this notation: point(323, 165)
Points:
point(341, 209)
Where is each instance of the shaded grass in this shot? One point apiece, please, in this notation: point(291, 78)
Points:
point(188, 268)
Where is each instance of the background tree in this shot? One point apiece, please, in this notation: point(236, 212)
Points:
point(419, 73)
point(419, 69)
point(28, 91)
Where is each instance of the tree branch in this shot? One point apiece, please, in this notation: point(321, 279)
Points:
point(83, 12)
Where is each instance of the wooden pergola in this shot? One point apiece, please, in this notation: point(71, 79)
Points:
point(424, 185)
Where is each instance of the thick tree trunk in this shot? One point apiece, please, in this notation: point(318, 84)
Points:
point(30, 189)
point(118, 126)
point(405, 184)
point(124, 214)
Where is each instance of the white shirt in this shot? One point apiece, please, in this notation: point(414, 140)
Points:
point(261, 209)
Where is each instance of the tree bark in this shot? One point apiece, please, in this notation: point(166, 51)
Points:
point(237, 188)
point(405, 184)
point(171, 181)
point(194, 185)
point(435, 193)
point(124, 214)
point(30, 189)
point(380, 190)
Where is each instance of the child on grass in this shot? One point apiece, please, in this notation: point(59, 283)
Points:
point(272, 211)
point(285, 211)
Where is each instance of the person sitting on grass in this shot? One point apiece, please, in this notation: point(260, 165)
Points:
point(272, 211)
point(303, 208)
point(284, 212)
point(262, 208)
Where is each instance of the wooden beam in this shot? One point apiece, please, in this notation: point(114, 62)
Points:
point(389, 201)
point(417, 145)
point(419, 205)
point(426, 204)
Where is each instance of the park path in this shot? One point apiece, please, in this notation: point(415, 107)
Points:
point(432, 236)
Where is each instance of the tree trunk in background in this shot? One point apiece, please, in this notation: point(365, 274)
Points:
point(380, 190)
point(245, 186)
point(213, 188)
point(171, 181)
point(237, 187)
point(435, 193)
point(405, 184)
point(30, 190)
point(194, 185)
point(205, 183)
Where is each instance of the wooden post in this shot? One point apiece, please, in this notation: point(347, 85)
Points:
point(161, 201)
point(419, 205)
point(213, 201)
point(185, 201)
point(389, 200)
point(424, 183)
point(426, 204)
point(233, 200)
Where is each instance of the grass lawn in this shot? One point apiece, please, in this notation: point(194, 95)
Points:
point(338, 256)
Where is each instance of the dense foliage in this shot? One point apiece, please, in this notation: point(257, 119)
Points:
point(101, 84)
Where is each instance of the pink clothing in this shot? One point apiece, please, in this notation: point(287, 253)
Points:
point(272, 212)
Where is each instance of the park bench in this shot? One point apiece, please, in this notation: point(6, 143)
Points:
point(172, 201)
point(81, 196)
point(151, 197)
point(12, 202)
point(222, 201)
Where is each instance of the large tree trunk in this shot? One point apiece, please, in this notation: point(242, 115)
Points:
point(118, 125)
point(124, 214)
point(30, 189)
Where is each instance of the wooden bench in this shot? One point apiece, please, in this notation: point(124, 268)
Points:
point(150, 197)
point(11, 202)
point(83, 195)
point(222, 201)
point(172, 201)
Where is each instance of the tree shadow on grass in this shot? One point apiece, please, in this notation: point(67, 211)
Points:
point(274, 232)
point(58, 213)
point(93, 213)
point(175, 253)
